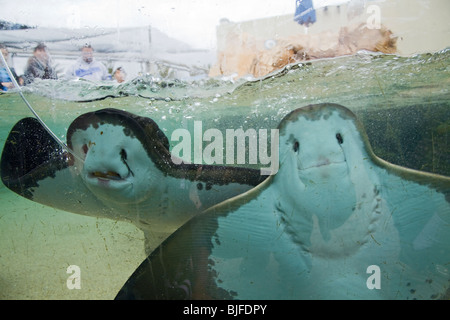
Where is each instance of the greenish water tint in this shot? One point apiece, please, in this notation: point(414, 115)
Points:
point(403, 102)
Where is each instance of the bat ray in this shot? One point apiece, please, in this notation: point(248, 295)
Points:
point(335, 222)
point(121, 169)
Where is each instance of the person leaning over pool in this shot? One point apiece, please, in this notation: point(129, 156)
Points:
point(87, 67)
point(5, 80)
point(39, 65)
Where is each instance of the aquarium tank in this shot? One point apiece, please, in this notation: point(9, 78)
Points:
point(204, 103)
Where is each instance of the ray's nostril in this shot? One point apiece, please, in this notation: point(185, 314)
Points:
point(123, 154)
point(296, 146)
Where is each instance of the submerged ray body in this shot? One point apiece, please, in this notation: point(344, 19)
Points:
point(121, 169)
point(335, 222)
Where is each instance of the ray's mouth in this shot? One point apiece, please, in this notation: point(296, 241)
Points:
point(109, 175)
point(323, 163)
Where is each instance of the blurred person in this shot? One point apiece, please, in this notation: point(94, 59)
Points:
point(39, 65)
point(87, 67)
point(120, 75)
point(5, 80)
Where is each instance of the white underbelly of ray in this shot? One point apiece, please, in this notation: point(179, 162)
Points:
point(371, 219)
point(368, 237)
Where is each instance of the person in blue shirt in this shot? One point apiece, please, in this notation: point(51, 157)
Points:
point(5, 80)
point(87, 67)
point(305, 12)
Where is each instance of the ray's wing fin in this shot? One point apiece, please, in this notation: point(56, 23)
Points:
point(419, 204)
point(178, 268)
point(185, 265)
point(28, 150)
point(36, 167)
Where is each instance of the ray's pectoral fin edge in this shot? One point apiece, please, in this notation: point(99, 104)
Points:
point(29, 155)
